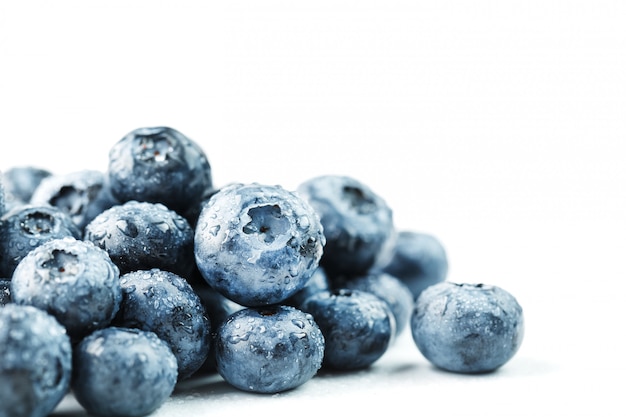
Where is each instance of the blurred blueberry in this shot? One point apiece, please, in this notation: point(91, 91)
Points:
point(5, 291)
point(257, 244)
point(358, 327)
point(159, 165)
point(164, 303)
point(357, 222)
point(467, 328)
point(269, 349)
point(20, 182)
point(121, 372)
point(141, 235)
point(35, 362)
point(71, 279)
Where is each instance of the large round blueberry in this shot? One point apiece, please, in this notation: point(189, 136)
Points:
point(164, 303)
point(419, 260)
point(269, 349)
point(358, 224)
point(159, 165)
point(26, 227)
point(257, 244)
point(467, 328)
point(121, 372)
point(358, 327)
point(35, 362)
point(141, 235)
point(73, 280)
point(81, 194)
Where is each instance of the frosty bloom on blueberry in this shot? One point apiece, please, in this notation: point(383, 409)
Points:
point(257, 244)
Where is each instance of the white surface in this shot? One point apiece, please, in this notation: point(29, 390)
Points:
point(497, 126)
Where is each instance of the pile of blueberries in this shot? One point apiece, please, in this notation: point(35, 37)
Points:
point(117, 285)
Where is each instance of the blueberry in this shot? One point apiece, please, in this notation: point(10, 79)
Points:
point(26, 227)
point(419, 260)
point(357, 222)
point(159, 165)
point(20, 182)
point(358, 327)
point(467, 328)
point(391, 290)
point(318, 282)
point(3, 203)
point(81, 194)
point(142, 235)
point(257, 244)
point(121, 372)
point(71, 279)
point(164, 303)
point(5, 291)
point(35, 362)
point(269, 349)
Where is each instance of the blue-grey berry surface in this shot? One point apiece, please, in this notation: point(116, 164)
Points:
point(257, 244)
point(358, 327)
point(159, 165)
point(318, 282)
point(21, 181)
point(71, 279)
point(5, 291)
point(269, 349)
point(419, 260)
point(357, 222)
point(141, 235)
point(120, 372)
point(3, 203)
point(25, 227)
point(166, 304)
point(467, 328)
point(35, 362)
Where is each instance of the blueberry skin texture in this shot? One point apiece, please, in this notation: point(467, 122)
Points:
point(269, 349)
point(35, 362)
point(358, 327)
point(318, 282)
point(26, 227)
point(81, 194)
point(159, 165)
point(467, 328)
point(71, 279)
point(142, 235)
point(257, 244)
point(121, 372)
point(5, 291)
point(357, 222)
point(164, 303)
point(419, 260)
point(21, 181)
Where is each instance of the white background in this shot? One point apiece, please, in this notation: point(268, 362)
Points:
point(498, 126)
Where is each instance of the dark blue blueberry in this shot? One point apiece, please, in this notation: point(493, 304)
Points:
point(269, 349)
point(26, 227)
point(71, 279)
point(164, 303)
point(159, 165)
point(5, 291)
point(141, 235)
point(20, 183)
point(121, 372)
point(257, 244)
point(35, 362)
point(419, 260)
point(81, 194)
point(318, 282)
point(358, 327)
point(467, 328)
point(358, 224)
point(391, 290)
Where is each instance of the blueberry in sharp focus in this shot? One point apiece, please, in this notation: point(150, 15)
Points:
point(166, 304)
point(159, 165)
point(142, 235)
point(71, 279)
point(467, 328)
point(257, 244)
point(120, 372)
point(357, 222)
point(318, 282)
point(269, 349)
point(20, 182)
point(418, 259)
point(35, 362)
point(358, 327)
point(26, 227)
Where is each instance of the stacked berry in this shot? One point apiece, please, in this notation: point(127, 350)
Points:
point(144, 275)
